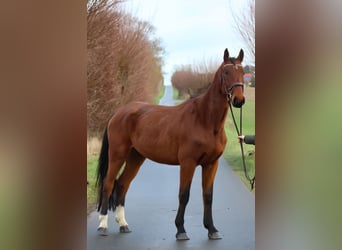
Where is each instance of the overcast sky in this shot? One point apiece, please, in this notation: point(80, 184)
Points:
point(191, 30)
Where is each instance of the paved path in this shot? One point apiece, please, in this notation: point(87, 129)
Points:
point(167, 99)
point(151, 206)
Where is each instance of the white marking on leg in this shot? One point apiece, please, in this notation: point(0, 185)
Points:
point(120, 216)
point(103, 221)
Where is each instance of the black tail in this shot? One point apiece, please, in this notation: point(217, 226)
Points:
point(102, 168)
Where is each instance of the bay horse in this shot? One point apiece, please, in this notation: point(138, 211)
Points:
point(188, 135)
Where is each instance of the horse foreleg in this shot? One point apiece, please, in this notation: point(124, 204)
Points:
point(208, 176)
point(186, 174)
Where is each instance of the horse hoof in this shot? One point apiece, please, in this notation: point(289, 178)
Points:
point(214, 236)
point(124, 229)
point(182, 236)
point(102, 231)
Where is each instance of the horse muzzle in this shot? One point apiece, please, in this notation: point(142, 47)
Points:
point(237, 99)
point(238, 102)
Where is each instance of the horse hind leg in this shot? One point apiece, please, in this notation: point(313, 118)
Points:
point(133, 162)
point(108, 185)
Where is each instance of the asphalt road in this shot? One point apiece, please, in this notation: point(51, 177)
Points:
point(167, 99)
point(151, 206)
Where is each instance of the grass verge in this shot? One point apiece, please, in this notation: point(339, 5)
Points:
point(91, 178)
point(160, 96)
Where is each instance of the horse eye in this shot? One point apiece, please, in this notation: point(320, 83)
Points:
point(226, 72)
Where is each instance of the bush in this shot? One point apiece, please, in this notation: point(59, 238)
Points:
point(193, 80)
point(124, 62)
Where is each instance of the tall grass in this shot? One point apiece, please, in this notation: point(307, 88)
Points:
point(93, 146)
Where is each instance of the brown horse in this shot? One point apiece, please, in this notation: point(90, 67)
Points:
point(188, 135)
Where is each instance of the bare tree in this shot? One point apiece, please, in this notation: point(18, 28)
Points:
point(245, 25)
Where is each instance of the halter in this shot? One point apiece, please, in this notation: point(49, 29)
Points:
point(229, 90)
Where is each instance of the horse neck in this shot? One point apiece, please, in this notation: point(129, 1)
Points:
point(214, 105)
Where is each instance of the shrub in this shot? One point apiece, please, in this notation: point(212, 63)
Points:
point(124, 62)
point(193, 80)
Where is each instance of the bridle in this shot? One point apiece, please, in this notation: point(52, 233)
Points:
point(229, 92)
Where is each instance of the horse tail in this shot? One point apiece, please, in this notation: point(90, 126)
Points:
point(102, 168)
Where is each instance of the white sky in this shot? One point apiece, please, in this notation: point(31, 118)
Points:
point(191, 30)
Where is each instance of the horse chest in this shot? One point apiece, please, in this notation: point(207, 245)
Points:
point(210, 149)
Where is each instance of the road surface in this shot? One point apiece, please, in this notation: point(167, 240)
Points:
point(151, 207)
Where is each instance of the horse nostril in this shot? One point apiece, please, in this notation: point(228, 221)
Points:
point(238, 103)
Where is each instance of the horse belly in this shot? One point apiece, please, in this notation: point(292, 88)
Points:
point(155, 133)
point(158, 153)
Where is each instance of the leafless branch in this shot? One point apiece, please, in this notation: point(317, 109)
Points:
point(244, 21)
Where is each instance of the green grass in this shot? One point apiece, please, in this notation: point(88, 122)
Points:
point(232, 151)
point(91, 177)
point(161, 94)
point(175, 93)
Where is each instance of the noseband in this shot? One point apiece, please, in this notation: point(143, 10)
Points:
point(229, 90)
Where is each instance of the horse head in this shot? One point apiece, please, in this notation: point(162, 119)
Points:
point(232, 78)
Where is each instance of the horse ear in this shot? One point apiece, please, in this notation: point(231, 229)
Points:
point(240, 57)
point(226, 56)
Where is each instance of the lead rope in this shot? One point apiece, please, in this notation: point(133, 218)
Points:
point(251, 180)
